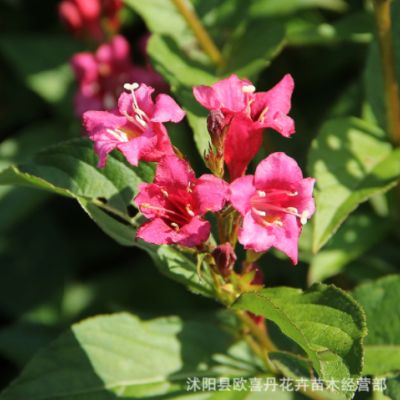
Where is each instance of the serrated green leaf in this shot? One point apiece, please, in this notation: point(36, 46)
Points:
point(351, 161)
point(118, 355)
point(322, 320)
point(357, 234)
point(381, 302)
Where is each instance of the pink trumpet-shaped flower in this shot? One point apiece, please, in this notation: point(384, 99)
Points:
point(274, 203)
point(101, 75)
point(176, 202)
point(249, 113)
point(135, 128)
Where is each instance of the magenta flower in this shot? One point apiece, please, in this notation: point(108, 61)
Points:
point(101, 75)
point(274, 204)
point(176, 203)
point(86, 17)
point(135, 128)
point(250, 113)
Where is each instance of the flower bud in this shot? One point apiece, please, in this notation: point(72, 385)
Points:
point(258, 277)
point(215, 123)
point(224, 257)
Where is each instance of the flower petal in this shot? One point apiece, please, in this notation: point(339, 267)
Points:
point(136, 148)
point(192, 234)
point(281, 123)
point(241, 191)
point(155, 231)
point(229, 92)
point(277, 171)
point(150, 194)
point(102, 146)
point(242, 143)
point(207, 97)
point(166, 109)
point(287, 237)
point(85, 67)
point(255, 237)
point(97, 122)
point(117, 51)
point(210, 193)
point(163, 146)
point(278, 99)
point(173, 173)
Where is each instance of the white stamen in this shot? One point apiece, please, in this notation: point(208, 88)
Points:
point(128, 117)
point(248, 89)
point(141, 122)
point(292, 194)
point(164, 192)
point(189, 211)
point(121, 136)
point(132, 86)
point(145, 205)
point(175, 226)
point(188, 188)
point(258, 212)
point(261, 193)
point(292, 210)
point(278, 223)
point(304, 217)
point(261, 117)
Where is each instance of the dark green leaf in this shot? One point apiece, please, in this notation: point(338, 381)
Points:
point(351, 161)
point(323, 320)
point(357, 235)
point(381, 302)
point(393, 388)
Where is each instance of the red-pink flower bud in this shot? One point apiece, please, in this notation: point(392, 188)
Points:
point(258, 277)
point(215, 123)
point(224, 257)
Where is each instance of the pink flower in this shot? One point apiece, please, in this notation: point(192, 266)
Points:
point(102, 75)
point(274, 204)
point(84, 17)
point(135, 128)
point(176, 203)
point(249, 113)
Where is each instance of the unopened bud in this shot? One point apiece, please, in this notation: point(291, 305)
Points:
point(224, 257)
point(258, 277)
point(215, 123)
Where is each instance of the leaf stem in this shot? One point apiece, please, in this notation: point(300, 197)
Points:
point(202, 36)
point(383, 24)
point(221, 229)
point(264, 340)
point(120, 214)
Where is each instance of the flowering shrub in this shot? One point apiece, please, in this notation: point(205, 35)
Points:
point(248, 198)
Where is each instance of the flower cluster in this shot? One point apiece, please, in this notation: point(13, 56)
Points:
point(265, 210)
point(87, 17)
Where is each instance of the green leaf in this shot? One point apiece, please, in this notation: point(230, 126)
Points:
point(324, 321)
point(41, 61)
point(357, 235)
point(351, 161)
point(381, 302)
point(292, 366)
point(354, 28)
point(70, 169)
point(118, 355)
point(266, 8)
point(393, 388)
point(169, 261)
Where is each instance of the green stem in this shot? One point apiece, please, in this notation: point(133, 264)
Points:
point(383, 24)
point(221, 229)
point(202, 36)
